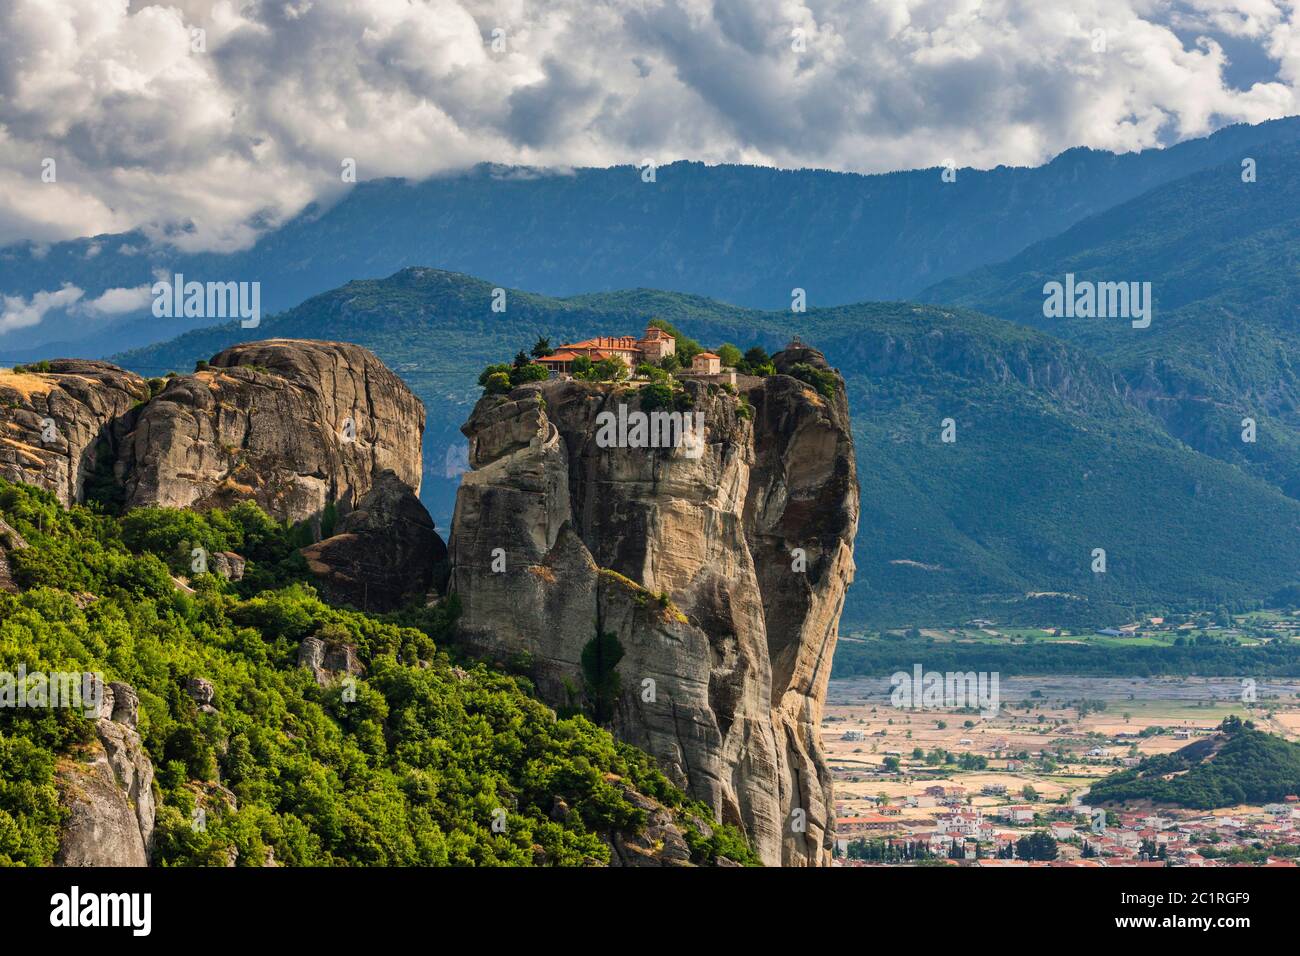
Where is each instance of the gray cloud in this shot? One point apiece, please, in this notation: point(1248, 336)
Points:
point(208, 147)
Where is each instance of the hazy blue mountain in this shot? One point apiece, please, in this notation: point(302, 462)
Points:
point(1052, 460)
point(746, 235)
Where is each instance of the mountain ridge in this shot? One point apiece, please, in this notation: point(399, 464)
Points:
point(748, 235)
point(1222, 258)
point(1042, 425)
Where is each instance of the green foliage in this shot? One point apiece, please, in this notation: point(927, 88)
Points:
point(1243, 766)
point(501, 378)
point(498, 383)
point(1038, 845)
point(329, 519)
point(528, 373)
point(270, 547)
point(1287, 596)
point(29, 803)
point(657, 395)
point(886, 656)
point(500, 368)
point(730, 356)
point(411, 772)
point(821, 379)
point(605, 370)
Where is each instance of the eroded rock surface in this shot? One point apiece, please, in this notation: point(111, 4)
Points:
point(10, 541)
point(659, 843)
point(106, 788)
point(293, 425)
point(63, 421)
point(327, 658)
point(726, 649)
point(385, 552)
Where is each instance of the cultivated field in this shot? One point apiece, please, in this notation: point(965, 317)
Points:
point(1038, 738)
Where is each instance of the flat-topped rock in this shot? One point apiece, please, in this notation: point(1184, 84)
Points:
point(290, 424)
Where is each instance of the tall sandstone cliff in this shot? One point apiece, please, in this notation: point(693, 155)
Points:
point(693, 563)
point(291, 424)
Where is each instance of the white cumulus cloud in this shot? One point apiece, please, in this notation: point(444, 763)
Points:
point(118, 301)
point(18, 312)
point(208, 137)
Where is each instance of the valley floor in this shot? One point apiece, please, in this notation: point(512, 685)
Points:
point(935, 778)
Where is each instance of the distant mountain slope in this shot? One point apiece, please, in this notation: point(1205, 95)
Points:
point(1223, 260)
point(743, 234)
point(1051, 460)
point(1246, 766)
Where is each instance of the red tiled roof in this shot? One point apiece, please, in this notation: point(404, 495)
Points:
point(622, 343)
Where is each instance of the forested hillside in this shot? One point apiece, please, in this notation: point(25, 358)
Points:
point(409, 764)
point(1241, 765)
point(744, 234)
point(1223, 259)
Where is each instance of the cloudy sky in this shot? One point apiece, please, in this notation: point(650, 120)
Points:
point(151, 124)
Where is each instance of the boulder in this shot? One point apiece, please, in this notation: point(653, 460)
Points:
point(326, 658)
point(291, 424)
point(201, 691)
point(106, 790)
point(228, 565)
point(385, 553)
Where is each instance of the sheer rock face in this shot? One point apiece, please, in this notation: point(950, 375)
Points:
point(107, 791)
point(385, 552)
point(57, 427)
point(290, 424)
point(687, 560)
